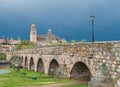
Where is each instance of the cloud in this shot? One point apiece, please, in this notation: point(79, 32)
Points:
point(72, 15)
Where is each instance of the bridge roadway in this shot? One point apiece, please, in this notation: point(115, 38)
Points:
point(78, 61)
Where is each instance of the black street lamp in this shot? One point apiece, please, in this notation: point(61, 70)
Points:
point(92, 18)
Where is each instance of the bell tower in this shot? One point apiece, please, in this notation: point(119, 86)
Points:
point(33, 33)
point(49, 32)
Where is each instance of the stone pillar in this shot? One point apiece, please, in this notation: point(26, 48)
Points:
point(101, 78)
point(28, 64)
point(23, 63)
point(46, 71)
point(35, 66)
point(8, 57)
point(61, 72)
point(46, 68)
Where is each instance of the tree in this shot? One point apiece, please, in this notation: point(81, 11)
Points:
point(25, 45)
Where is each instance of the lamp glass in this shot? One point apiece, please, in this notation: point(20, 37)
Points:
point(92, 17)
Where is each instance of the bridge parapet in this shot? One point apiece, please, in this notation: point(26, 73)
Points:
point(53, 50)
point(88, 49)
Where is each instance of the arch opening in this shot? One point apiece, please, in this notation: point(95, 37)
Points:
point(53, 67)
point(26, 62)
point(40, 66)
point(31, 64)
point(16, 61)
point(21, 62)
point(80, 72)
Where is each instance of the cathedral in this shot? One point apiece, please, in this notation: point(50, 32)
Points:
point(47, 39)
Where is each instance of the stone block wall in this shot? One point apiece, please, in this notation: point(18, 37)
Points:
point(92, 54)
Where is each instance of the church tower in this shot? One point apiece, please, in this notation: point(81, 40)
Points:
point(33, 33)
point(49, 35)
point(49, 32)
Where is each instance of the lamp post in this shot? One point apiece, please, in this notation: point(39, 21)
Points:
point(92, 18)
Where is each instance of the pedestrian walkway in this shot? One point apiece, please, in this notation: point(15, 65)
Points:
point(58, 84)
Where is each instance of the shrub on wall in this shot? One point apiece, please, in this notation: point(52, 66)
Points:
point(2, 56)
point(25, 45)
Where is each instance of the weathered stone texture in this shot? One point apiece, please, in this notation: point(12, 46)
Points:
point(91, 54)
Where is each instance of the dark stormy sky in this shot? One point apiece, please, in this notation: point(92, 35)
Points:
point(69, 19)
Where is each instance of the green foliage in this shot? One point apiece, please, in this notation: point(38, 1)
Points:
point(56, 43)
point(59, 43)
point(2, 56)
point(17, 79)
point(78, 85)
point(25, 45)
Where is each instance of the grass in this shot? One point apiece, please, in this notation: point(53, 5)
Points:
point(78, 85)
point(18, 79)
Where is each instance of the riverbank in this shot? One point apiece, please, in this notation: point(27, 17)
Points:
point(25, 77)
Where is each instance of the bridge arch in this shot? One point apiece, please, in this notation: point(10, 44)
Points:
point(20, 61)
point(40, 65)
point(31, 64)
point(53, 66)
point(80, 71)
point(26, 62)
point(12, 60)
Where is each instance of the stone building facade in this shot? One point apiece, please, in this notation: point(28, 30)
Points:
point(8, 44)
point(43, 39)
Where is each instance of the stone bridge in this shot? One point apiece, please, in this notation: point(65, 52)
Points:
point(78, 61)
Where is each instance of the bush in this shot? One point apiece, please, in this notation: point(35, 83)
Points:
point(25, 45)
point(2, 56)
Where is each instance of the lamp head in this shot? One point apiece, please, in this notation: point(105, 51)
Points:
point(92, 17)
